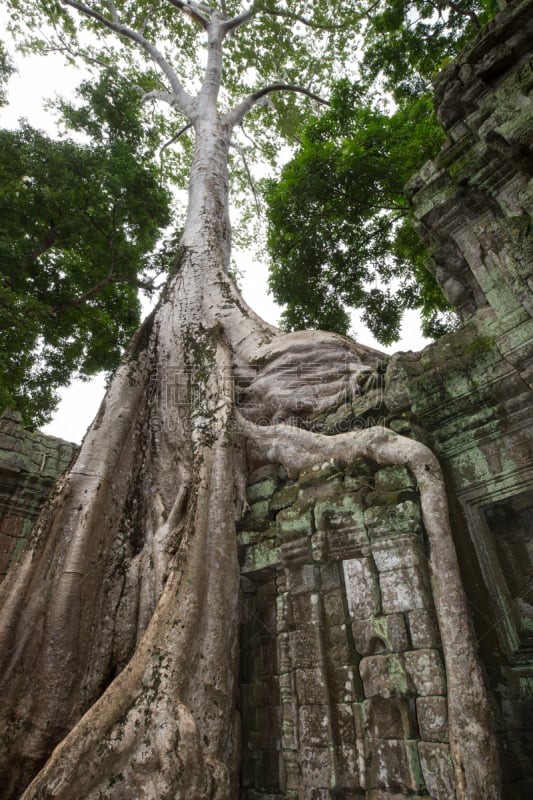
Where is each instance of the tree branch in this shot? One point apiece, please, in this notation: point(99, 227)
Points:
point(236, 22)
point(236, 116)
point(182, 99)
point(156, 94)
point(192, 11)
point(291, 15)
point(242, 154)
point(176, 137)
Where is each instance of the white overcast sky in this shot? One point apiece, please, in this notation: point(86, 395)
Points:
point(42, 77)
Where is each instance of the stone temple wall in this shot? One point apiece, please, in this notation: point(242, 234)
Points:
point(30, 463)
point(342, 680)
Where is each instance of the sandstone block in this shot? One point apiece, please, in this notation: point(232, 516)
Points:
point(432, 716)
point(299, 610)
point(346, 543)
point(297, 551)
point(426, 671)
point(385, 521)
point(315, 767)
point(346, 772)
point(301, 578)
point(263, 555)
point(295, 522)
point(310, 686)
point(402, 551)
point(313, 726)
point(403, 590)
point(389, 718)
point(362, 589)
point(341, 683)
point(345, 511)
point(261, 490)
point(437, 768)
point(333, 606)
point(378, 634)
point(385, 676)
point(394, 763)
point(304, 647)
point(284, 497)
point(258, 517)
point(390, 479)
point(342, 723)
point(423, 628)
point(330, 576)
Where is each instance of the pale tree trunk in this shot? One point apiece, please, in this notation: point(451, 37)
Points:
point(118, 637)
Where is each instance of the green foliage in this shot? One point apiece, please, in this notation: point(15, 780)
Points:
point(77, 225)
point(6, 69)
point(340, 234)
point(406, 42)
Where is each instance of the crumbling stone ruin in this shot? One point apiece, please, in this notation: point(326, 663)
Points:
point(342, 679)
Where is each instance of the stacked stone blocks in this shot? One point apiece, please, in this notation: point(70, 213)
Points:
point(358, 666)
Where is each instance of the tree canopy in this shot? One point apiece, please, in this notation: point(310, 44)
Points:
point(340, 234)
point(338, 217)
point(78, 224)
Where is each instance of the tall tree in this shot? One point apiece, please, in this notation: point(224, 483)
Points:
point(119, 625)
point(78, 225)
point(340, 234)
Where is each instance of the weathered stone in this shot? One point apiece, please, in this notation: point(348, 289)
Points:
point(246, 538)
point(336, 643)
point(315, 767)
point(385, 675)
point(423, 629)
point(262, 490)
point(389, 718)
point(258, 517)
point(342, 723)
point(301, 578)
point(388, 498)
point(297, 551)
point(362, 590)
point(382, 521)
point(261, 556)
point(295, 522)
point(310, 686)
point(338, 545)
point(304, 647)
point(341, 683)
point(437, 768)
point(380, 794)
point(403, 590)
point(345, 511)
point(330, 576)
point(320, 491)
point(402, 551)
point(378, 634)
point(319, 473)
point(346, 773)
point(299, 610)
point(319, 547)
point(432, 716)
point(284, 497)
point(313, 725)
point(394, 763)
point(426, 671)
point(390, 479)
point(333, 607)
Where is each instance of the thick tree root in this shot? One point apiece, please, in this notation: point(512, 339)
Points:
point(119, 636)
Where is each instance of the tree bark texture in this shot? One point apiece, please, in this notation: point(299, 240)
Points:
point(118, 637)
